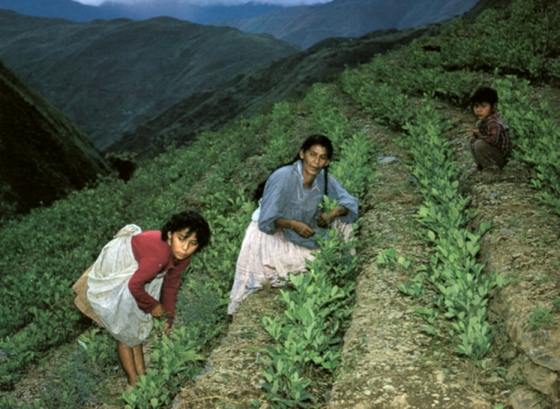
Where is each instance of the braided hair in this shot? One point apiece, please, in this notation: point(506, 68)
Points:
point(311, 140)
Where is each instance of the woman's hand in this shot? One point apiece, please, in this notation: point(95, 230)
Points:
point(302, 229)
point(158, 311)
point(325, 219)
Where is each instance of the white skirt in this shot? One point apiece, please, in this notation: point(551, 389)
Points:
point(108, 293)
point(266, 259)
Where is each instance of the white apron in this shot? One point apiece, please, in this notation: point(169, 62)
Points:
point(108, 293)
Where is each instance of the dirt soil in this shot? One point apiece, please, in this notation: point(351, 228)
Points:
point(232, 377)
point(388, 362)
point(523, 247)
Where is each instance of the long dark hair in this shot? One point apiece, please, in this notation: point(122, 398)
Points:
point(311, 140)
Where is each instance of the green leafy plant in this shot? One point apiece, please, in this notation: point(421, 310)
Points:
point(306, 337)
point(540, 318)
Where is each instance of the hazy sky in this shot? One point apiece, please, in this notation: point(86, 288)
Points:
point(208, 2)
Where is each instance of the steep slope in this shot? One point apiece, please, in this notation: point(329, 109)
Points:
point(109, 76)
point(42, 154)
point(307, 25)
point(255, 92)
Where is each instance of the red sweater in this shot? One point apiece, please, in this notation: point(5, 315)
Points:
point(154, 256)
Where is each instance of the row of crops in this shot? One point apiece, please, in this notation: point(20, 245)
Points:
point(214, 175)
point(401, 90)
point(453, 275)
point(521, 40)
point(514, 42)
point(307, 336)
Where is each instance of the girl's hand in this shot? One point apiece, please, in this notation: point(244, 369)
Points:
point(158, 311)
point(302, 229)
point(166, 328)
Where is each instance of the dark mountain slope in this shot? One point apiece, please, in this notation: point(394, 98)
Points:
point(306, 25)
point(42, 155)
point(482, 5)
point(253, 93)
point(110, 76)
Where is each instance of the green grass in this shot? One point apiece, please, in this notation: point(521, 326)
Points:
point(540, 318)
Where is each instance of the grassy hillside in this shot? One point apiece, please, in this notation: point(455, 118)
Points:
point(450, 300)
point(307, 25)
point(43, 155)
point(254, 93)
point(110, 76)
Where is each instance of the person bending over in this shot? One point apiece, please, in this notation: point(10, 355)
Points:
point(136, 278)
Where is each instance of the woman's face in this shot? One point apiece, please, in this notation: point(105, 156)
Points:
point(314, 159)
point(183, 244)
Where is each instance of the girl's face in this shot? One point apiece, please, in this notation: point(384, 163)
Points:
point(183, 243)
point(314, 159)
point(482, 110)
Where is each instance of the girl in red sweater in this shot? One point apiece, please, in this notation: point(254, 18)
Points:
point(137, 277)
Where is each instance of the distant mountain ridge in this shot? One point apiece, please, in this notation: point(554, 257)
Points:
point(42, 155)
point(300, 25)
point(71, 10)
point(109, 76)
point(307, 25)
point(66, 9)
point(255, 92)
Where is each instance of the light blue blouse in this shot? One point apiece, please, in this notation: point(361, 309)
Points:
point(285, 197)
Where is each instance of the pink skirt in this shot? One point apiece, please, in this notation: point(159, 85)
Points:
point(266, 259)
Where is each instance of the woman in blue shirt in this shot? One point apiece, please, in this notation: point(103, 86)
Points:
point(284, 229)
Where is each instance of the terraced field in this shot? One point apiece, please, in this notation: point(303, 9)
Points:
point(448, 296)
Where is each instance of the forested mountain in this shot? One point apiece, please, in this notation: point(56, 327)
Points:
point(72, 10)
point(254, 92)
point(110, 76)
point(66, 9)
point(306, 25)
point(300, 25)
point(42, 155)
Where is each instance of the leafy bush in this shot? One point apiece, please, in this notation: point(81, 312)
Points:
point(307, 335)
point(523, 40)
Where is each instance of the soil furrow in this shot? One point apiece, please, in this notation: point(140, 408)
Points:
point(387, 361)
